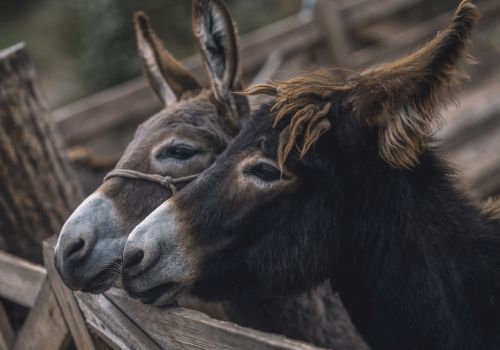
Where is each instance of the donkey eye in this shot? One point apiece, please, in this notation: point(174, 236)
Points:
point(264, 171)
point(180, 152)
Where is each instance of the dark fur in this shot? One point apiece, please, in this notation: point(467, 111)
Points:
point(416, 262)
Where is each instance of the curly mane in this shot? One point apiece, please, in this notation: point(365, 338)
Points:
point(307, 100)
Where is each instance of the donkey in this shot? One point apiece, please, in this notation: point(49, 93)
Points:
point(337, 178)
point(181, 141)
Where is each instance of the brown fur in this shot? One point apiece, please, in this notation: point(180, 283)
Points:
point(310, 96)
point(491, 208)
point(175, 74)
point(402, 98)
point(223, 74)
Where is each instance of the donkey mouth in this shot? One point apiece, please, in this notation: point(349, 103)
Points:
point(162, 295)
point(103, 281)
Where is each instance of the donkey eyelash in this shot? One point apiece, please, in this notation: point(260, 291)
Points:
point(265, 172)
point(178, 152)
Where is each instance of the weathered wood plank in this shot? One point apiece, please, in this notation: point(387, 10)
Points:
point(20, 280)
point(179, 328)
point(45, 327)
point(66, 300)
point(476, 115)
point(6, 332)
point(112, 325)
point(269, 69)
point(470, 139)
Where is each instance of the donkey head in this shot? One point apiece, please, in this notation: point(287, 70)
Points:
point(274, 211)
point(184, 138)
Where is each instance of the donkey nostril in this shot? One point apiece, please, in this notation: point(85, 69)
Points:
point(75, 248)
point(133, 258)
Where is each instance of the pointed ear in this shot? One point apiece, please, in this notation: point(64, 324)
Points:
point(403, 98)
point(169, 78)
point(217, 38)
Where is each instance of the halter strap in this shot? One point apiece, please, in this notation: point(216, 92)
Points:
point(166, 181)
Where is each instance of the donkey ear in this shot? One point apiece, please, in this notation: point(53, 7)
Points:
point(169, 78)
point(403, 98)
point(217, 38)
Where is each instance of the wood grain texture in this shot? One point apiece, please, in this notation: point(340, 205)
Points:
point(66, 300)
point(112, 325)
point(179, 328)
point(20, 280)
point(6, 332)
point(37, 189)
point(45, 327)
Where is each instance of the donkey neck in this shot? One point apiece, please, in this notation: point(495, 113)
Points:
point(420, 263)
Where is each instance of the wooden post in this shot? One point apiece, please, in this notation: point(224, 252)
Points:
point(6, 332)
point(328, 15)
point(45, 327)
point(37, 194)
point(37, 189)
point(66, 299)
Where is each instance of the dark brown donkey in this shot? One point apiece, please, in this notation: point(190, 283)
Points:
point(338, 178)
point(182, 140)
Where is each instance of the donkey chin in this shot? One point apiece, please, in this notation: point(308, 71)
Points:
point(156, 267)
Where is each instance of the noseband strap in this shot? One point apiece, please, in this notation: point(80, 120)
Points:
point(166, 181)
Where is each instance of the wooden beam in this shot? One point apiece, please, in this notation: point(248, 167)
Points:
point(6, 332)
point(179, 328)
point(20, 280)
point(45, 327)
point(331, 20)
point(112, 325)
point(476, 115)
point(66, 300)
point(356, 13)
point(269, 69)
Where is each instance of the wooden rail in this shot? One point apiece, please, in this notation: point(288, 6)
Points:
point(129, 323)
point(123, 323)
point(21, 280)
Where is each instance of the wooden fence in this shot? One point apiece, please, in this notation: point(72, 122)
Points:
point(112, 320)
point(123, 323)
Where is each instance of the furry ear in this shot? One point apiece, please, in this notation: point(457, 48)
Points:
point(403, 98)
point(217, 38)
point(169, 78)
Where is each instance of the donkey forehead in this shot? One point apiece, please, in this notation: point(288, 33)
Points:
point(197, 111)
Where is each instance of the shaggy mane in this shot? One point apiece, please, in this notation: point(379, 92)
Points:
point(307, 100)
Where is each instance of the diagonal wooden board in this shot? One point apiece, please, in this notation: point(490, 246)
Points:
point(66, 300)
point(6, 332)
point(45, 327)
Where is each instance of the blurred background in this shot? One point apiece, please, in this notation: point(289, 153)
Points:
point(83, 46)
point(85, 55)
